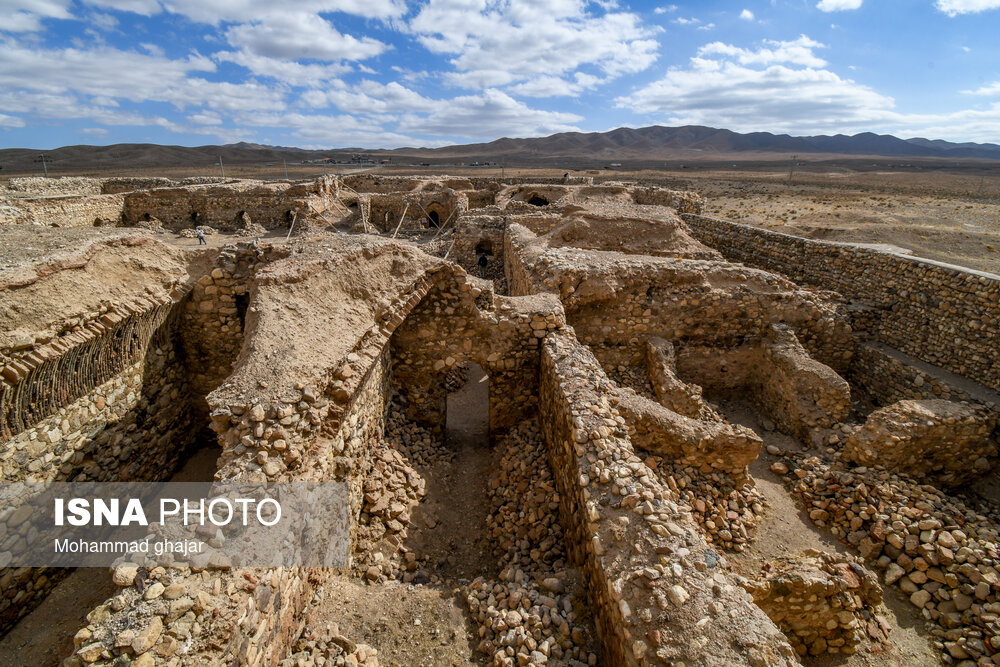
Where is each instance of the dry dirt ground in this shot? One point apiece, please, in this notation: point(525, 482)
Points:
point(944, 219)
point(787, 530)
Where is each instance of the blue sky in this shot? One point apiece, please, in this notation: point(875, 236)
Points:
point(389, 73)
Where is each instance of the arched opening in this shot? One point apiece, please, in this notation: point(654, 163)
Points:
point(195, 217)
point(484, 247)
point(538, 200)
point(434, 219)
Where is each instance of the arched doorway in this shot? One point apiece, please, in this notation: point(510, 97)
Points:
point(433, 219)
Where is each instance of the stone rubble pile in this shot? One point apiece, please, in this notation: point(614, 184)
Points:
point(824, 603)
point(727, 511)
point(326, 647)
point(935, 548)
point(941, 441)
point(166, 617)
point(392, 489)
point(533, 613)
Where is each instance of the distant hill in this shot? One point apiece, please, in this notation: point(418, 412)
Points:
point(690, 142)
point(657, 142)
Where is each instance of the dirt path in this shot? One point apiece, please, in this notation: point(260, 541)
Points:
point(449, 525)
point(786, 530)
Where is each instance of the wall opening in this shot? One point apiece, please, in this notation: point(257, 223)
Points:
point(467, 420)
point(484, 247)
point(538, 200)
point(242, 303)
point(434, 219)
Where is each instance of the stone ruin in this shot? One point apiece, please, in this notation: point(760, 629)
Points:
point(326, 338)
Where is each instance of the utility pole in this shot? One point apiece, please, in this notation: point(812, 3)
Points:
point(285, 162)
point(45, 167)
point(221, 168)
point(791, 169)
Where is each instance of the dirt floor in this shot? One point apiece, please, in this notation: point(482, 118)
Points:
point(787, 530)
point(45, 636)
point(428, 625)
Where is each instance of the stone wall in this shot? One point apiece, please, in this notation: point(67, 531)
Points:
point(658, 593)
point(945, 442)
point(463, 322)
point(63, 210)
point(64, 185)
point(941, 314)
point(132, 426)
point(271, 205)
point(616, 299)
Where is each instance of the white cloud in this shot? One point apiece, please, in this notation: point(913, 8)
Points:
point(955, 7)
point(205, 118)
point(11, 121)
point(144, 7)
point(783, 87)
point(216, 11)
point(27, 15)
point(95, 131)
point(285, 71)
point(796, 52)
point(747, 15)
point(370, 97)
point(749, 90)
point(294, 35)
point(680, 20)
point(496, 44)
point(486, 116)
point(666, 9)
point(82, 83)
point(707, 26)
point(838, 5)
point(990, 89)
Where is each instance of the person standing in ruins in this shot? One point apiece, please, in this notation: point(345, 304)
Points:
point(482, 264)
point(201, 237)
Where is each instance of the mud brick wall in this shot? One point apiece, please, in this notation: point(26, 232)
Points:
point(63, 211)
point(946, 316)
point(655, 588)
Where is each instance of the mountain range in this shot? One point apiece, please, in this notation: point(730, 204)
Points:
point(655, 143)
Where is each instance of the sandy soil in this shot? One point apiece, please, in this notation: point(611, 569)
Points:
point(787, 530)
